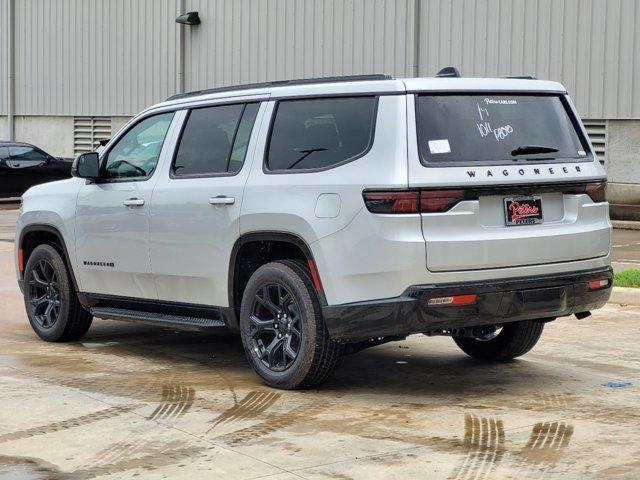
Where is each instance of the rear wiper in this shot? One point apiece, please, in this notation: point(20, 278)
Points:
point(305, 154)
point(527, 149)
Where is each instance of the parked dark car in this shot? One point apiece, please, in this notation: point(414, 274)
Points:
point(23, 165)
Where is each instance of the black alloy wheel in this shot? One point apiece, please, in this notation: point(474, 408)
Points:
point(44, 294)
point(276, 335)
point(50, 299)
point(283, 332)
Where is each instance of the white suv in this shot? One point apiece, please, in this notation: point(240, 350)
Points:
point(320, 217)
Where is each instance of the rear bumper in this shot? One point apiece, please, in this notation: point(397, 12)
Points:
point(498, 302)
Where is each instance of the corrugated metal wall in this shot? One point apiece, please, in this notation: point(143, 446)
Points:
point(93, 57)
point(591, 46)
point(251, 41)
point(4, 40)
point(114, 57)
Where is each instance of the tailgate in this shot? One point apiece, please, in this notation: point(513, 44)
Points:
point(474, 234)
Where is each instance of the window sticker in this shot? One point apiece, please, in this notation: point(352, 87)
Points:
point(500, 101)
point(582, 153)
point(439, 146)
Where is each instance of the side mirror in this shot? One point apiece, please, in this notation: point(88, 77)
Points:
point(86, 165)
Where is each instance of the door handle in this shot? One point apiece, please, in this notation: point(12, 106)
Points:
point(133, 202)
point(222, 200)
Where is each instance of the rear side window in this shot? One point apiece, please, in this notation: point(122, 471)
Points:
point(215, 140)
point(471, 129)
point(319, 133)
point(26, 153)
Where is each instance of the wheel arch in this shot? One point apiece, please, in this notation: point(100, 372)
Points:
point(255, 249)
point(38, 234)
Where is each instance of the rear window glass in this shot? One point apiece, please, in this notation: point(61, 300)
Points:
point(320, 133)
point(469, 129)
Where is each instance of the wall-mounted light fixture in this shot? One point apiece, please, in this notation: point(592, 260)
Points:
point(189, 18)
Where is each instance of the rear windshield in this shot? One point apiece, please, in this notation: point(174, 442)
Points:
point(492, 129)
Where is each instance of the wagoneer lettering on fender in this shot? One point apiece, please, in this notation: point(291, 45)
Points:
point(319, 217)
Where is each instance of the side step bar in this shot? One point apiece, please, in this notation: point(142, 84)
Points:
point(160, 319)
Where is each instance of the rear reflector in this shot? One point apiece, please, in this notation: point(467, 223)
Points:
point(597, 191)
point(598, 284)
point(314, 275)
point(454, 300)
point(21, 260)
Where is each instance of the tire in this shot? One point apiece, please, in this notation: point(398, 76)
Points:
point(47, 274)
point(515, 339)
point(285, 287)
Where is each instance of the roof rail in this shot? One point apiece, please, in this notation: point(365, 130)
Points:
point(522, 77)
point(284, 83)
point(449, 72)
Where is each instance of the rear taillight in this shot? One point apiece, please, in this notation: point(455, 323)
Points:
point(392, 201)
point(596, 190)
point(432, 201)
point(412, 201)
point(442, 200)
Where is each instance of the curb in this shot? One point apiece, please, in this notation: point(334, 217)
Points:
point(625, 225)
point(625, 296)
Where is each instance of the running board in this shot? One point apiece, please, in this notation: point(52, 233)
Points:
point(159, 319)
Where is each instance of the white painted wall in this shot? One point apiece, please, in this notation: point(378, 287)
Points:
point(53, 134)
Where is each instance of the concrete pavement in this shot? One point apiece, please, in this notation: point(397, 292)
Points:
point(132, 401)
point(8, 216)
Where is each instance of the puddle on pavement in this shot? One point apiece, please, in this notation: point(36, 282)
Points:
point(22, 468)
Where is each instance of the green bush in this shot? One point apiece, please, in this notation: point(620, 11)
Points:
point(627, 278)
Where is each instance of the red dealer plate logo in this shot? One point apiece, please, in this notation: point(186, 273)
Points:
point(523, 210)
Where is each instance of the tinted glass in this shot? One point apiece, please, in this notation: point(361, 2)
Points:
point(215, 140)
point(26, 153)
point(239, 150)
point(488, 128)
point(136, 153)
point(4, 153)
point(319, 133)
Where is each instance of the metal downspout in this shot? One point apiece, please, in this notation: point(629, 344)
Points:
point(10, 70)
point(181, 46)
point(416, 38)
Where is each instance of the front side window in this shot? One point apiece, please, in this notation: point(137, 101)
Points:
point(214, 140)
point(136, 154)
point(320, 133)
point(26, 153)
point(466, 129)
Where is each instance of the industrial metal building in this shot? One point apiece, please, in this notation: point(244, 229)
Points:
point(72, 71)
